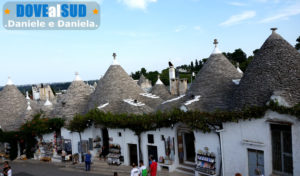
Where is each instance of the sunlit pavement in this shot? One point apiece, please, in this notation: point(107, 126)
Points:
point(35, 168)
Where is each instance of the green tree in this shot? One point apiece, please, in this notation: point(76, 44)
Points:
point(239, 56)
point(196, 64)
point(255, 51)
point(297, 46)
point(192, 66)
point(79, 124)
point(164, 77)
point(144, 71)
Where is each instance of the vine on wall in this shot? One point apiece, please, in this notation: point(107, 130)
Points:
point(203, 121)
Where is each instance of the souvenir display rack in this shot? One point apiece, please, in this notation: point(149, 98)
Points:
point(114, 156)
point(97, 142)
point(206, 163)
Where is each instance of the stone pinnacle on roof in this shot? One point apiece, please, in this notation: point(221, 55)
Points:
point(27, 96)
point(238, 68)
point(273, 30)
point(9, 81)
point(216, 50)
point(158, 80)
point(77, 77)
point(115, 62)
point(47, 103)
point(28, 106)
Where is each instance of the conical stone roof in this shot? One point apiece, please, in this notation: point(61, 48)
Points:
point(12, 107)
point(161, 90)
point(142, 80)
point(213, 86)
point(275, 67)
point(115, 89)
point(74, 101)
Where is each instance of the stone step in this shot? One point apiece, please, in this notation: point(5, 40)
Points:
point(188, 171)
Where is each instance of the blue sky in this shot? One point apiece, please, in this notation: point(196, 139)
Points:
point(144, 33)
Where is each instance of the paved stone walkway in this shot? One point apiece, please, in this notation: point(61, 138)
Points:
point(38, 168)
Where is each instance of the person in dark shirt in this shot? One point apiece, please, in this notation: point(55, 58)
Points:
point(7, 169)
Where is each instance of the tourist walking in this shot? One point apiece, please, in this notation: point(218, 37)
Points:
point(134, 171)
point(153, 166)
point(143, 169)
point(7, 169)
point(88, 160)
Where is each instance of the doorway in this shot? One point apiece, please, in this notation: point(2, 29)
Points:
point(186, 145)
point(152, 151)
point(133, 157)
point(189, 141)
point(105, 141)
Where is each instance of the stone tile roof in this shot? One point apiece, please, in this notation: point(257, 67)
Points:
point(276, 67)
point(12, 108)
point(115, 87)
point(213, 84)
point(74, 101)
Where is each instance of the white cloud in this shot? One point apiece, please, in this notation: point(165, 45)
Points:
point(197, 28)
point(139, 4)
point(237, 4)
point(292, 10)
point(180, 28)
point(239, 18)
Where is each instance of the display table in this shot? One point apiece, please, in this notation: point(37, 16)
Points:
point(170, 167)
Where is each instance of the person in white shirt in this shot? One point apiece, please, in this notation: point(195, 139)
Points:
point(134, 171)
point(143, 169)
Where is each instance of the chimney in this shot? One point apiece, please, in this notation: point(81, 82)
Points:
point(182, 87)
point(173, 80)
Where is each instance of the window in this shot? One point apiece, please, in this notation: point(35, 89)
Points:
point(150, 138)
point(120, 134)
point(90, 143)
point(255, 162)
point(282, 149)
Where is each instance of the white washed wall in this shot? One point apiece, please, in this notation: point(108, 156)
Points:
point(235, 154)
point(210, 140)
point(91, 132)
point(167, 132)
point(128, 137)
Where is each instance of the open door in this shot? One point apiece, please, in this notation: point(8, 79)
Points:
point(133, 154)
point(189, 145)
point(152, 151)
point(105, 141)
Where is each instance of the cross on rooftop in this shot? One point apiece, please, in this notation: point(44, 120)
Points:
point(216, 42)
point(114, 55)
point(76, 73)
